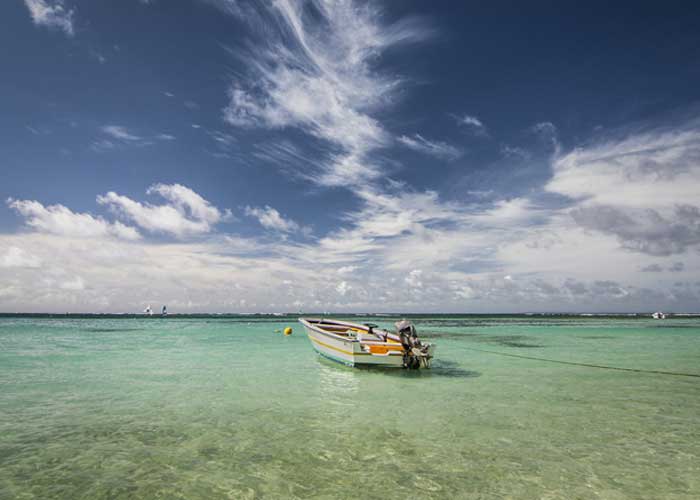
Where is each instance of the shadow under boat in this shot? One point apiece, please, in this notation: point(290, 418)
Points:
point(439, 368)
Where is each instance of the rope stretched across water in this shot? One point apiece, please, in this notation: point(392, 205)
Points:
point(588, 365)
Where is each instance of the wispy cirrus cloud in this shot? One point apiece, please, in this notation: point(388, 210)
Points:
point(471, 123)
point(549, 134)
point(318, 76)
point(515, 152)
point(185, 214)
point(120, 133)
point(52, 14)
point(437, 149)
point(285, 153)
point(114, 137)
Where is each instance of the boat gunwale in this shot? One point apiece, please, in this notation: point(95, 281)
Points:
point(332, 335)
point(307, 323)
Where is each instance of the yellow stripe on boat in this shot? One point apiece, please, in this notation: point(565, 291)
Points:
point(339, 350)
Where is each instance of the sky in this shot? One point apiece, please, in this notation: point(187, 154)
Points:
point(321, 155)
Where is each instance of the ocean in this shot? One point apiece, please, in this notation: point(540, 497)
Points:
point(211, 407)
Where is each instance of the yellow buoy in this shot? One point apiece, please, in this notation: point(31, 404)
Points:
point(288, 330)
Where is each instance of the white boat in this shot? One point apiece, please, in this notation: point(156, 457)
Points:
point(164, 312)
point(148, 310)
point(658, 315)
point(354, 344)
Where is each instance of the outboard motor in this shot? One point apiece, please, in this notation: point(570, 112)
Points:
point(416, 354)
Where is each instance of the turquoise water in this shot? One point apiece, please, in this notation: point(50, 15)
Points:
point(226, 408)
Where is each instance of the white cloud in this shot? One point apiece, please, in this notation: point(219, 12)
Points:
point(17, 257)
point(207, 275)
point(52, 14)
point(461, 261)
point(471, 120)
point(654, 169)
point(642, 188)
point(270, 218)
point(74, 284)
point(343, 288)
point(225, 141)
point(187, 213)
point(434, 148)
point(57, 219)
point(347, 270)
point(414, 279)
point(510, 212)
point(472, 123)
point(186, 199)
point(617, 201)
point(456, 255)
point(318, 76)
point(120, 133)
point(116, 137)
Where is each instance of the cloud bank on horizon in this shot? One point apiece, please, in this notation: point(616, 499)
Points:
point(343, 156)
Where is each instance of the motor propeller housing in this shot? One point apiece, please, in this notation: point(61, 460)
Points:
point(416, 354)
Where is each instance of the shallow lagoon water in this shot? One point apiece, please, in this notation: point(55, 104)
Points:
point(223, 407)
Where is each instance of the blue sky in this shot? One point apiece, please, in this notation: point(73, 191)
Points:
point(224, 155)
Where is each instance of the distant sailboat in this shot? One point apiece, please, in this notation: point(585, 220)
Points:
point(658, 315)
point(164, 312)
point(148, 310)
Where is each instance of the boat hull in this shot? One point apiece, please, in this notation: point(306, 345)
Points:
point(348, 352)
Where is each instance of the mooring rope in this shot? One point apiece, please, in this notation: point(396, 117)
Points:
point(588, 365)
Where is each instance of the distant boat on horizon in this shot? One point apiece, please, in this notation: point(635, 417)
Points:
point(148, 310)
point(164, 312)
point(658, 315)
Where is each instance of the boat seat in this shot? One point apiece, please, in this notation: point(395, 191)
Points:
point(368, 337)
